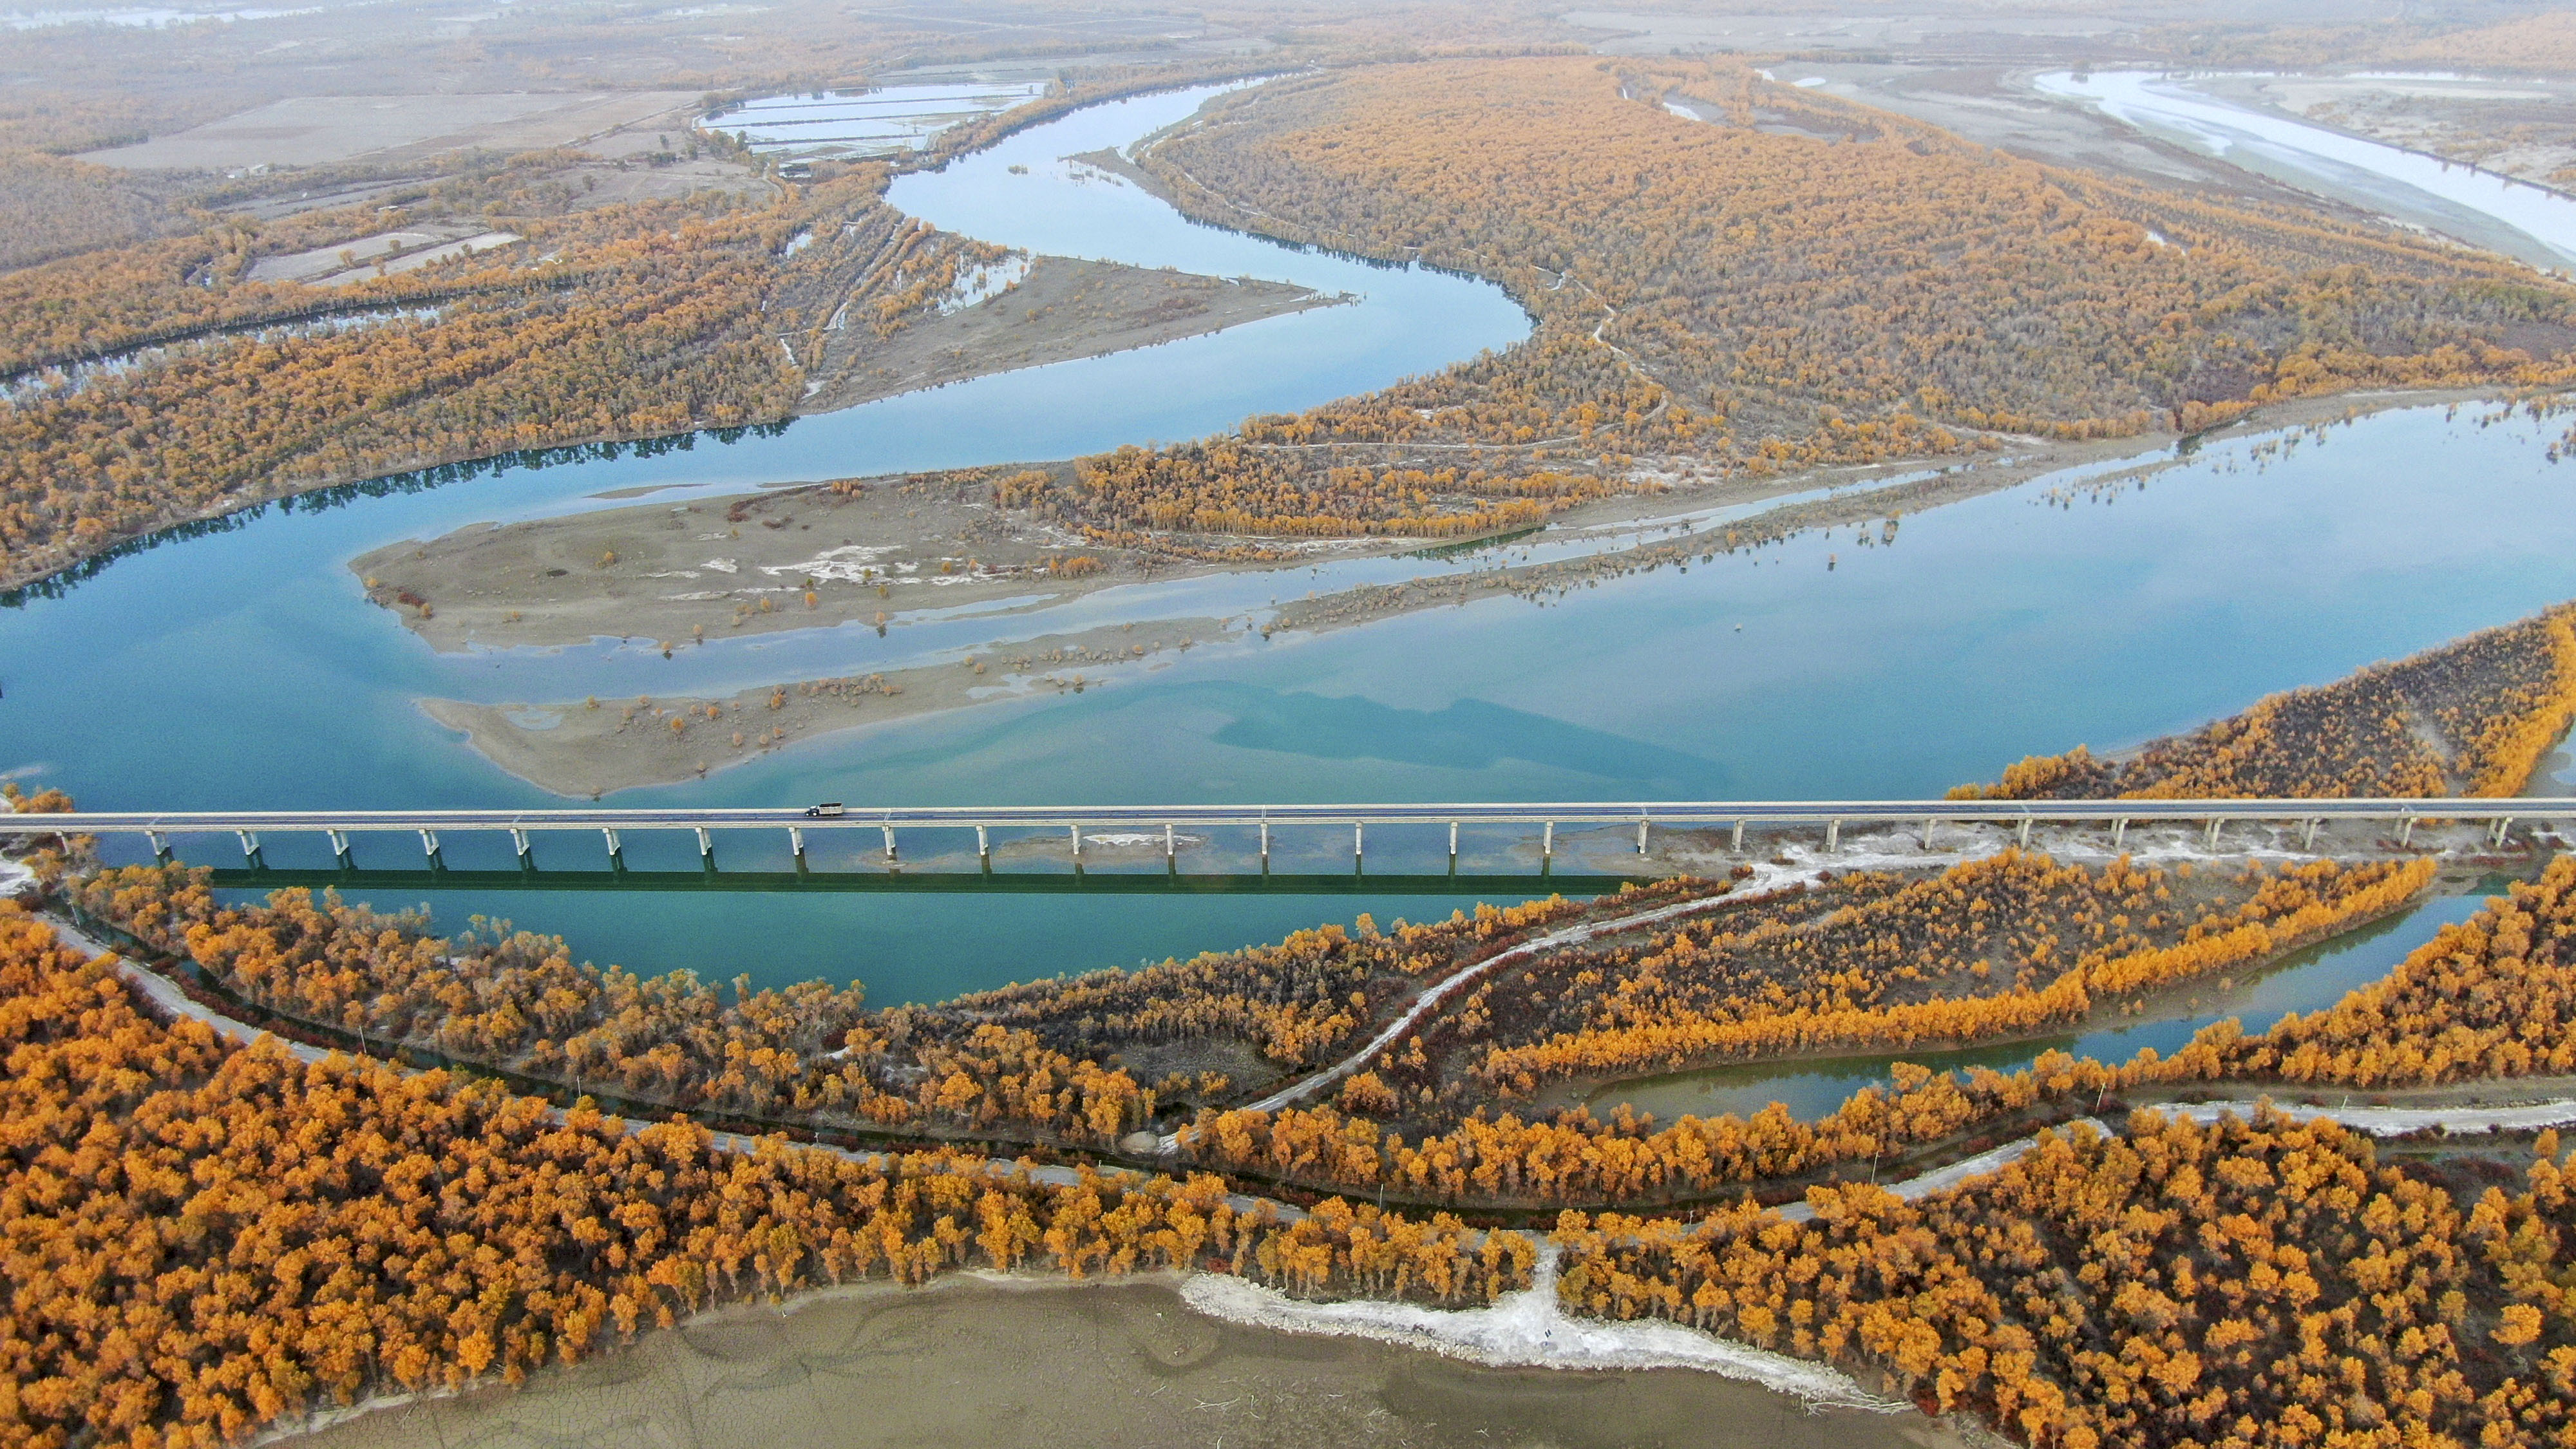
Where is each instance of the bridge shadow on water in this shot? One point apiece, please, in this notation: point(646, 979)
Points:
point(898, 882)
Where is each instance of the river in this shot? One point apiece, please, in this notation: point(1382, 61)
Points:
point(2479, 207)
point(243, 668)
point(2302, 982)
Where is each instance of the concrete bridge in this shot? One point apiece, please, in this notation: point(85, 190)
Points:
point(1735, 818)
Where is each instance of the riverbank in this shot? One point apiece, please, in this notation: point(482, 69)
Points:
point(1047, 309)
point(889, 553)
point(1813, 1083)
point(595, 746)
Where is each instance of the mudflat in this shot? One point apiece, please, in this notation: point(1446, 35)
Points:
point(1060, 309)
point(712, 568)
point(316, 130)
point(977, 1362)
point(594, 746)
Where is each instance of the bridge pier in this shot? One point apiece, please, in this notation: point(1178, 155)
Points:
point(706, 848)
point(2298, 825)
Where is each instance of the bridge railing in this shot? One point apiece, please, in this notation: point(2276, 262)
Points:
point(1736, 817)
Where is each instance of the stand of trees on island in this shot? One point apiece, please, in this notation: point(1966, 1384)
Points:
point(1789, 282)
point(2472, 717)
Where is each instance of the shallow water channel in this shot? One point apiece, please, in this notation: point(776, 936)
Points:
point(2302, 982)
point(2480, 207)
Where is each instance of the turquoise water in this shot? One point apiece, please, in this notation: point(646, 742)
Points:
point(2303, 982)
point(243, 668)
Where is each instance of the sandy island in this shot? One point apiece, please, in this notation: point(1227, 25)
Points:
point(880, 552)
point(1058, 310)
point(592, 746)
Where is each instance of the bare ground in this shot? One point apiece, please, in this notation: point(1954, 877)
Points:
point(977, 1360)
point(1062, 310)
point(710, 568)
point(392, 129)
point(597, 745)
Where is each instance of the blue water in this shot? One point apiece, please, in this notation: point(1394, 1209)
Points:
point(2303, 982)
point(244, 668)
point(2480, 207)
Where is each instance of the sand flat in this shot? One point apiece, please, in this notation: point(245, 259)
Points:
point(313, 130)
point(973, 1361)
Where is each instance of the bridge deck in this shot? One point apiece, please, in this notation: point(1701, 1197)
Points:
point(1575, 813)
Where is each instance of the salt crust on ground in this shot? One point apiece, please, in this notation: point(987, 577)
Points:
point(1529, 1330)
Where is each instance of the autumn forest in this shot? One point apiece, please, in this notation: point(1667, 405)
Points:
point(501, 425)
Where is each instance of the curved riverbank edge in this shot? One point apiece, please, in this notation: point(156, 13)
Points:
point(56, 568)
